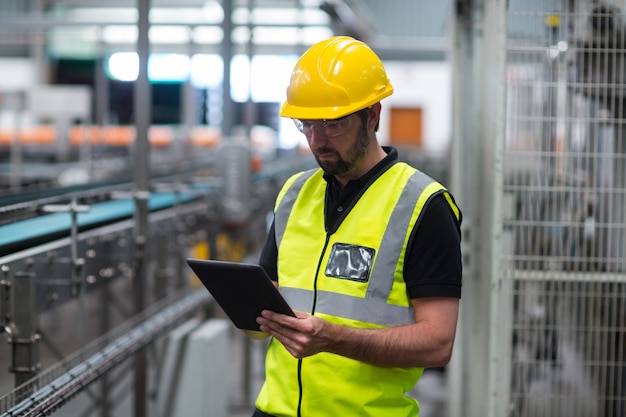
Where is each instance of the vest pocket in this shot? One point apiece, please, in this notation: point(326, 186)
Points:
point(350, 262)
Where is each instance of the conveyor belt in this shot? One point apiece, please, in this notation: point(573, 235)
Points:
point(47, 227)
point(51, 192)
point(36, 228)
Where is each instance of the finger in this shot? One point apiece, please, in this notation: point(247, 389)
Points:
point(292, 345)
point(281, 319)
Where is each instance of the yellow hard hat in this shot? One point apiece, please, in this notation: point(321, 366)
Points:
point(334, 78)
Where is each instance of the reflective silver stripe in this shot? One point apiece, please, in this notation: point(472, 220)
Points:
point(286, 204)
point(374, 307)
point(393, 240)
point(375, 311)
point(298, 299)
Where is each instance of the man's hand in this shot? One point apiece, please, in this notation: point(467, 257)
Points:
point(302, 336)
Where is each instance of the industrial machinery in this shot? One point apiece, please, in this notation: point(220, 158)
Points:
point(68, 259)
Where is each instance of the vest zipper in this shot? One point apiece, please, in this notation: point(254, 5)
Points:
point(319, 264)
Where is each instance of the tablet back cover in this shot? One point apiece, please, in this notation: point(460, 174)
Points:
point(241, 290)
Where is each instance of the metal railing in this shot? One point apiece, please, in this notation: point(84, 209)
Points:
point(58, 384)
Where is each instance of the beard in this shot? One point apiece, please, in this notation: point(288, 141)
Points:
point(341, 166)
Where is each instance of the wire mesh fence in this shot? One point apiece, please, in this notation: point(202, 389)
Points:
point(565, 174)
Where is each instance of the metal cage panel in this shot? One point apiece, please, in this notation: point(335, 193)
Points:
point(565, 175)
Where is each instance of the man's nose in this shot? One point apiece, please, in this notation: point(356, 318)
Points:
point(317, 138)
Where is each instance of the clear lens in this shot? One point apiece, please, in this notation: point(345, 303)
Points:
point(329, 128)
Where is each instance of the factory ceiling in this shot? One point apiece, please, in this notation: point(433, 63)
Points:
point(397, 29)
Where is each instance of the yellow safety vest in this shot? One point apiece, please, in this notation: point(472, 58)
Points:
point(351, 277)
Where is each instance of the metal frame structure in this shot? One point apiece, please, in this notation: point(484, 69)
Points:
point(60, 383)
point(538, 168)
point(88, 278)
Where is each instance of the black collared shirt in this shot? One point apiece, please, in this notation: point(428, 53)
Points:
point(433, 259)
point(339, 200)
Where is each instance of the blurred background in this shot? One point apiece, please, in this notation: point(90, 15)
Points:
point(135, 134)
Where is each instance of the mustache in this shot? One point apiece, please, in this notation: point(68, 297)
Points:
point(323, 151)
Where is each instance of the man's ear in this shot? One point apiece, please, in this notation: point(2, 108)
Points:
point(373, 116)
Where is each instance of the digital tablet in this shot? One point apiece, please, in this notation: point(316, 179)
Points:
point(242, 290)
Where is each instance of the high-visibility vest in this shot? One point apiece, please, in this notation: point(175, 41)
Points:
point(351, 276)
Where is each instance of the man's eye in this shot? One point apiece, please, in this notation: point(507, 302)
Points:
point(332, 124)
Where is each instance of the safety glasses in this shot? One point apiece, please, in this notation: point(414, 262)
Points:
point(327, 127)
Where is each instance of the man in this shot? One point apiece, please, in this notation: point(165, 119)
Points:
point(366, 250)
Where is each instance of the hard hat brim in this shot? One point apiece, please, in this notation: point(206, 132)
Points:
point(312, 113)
